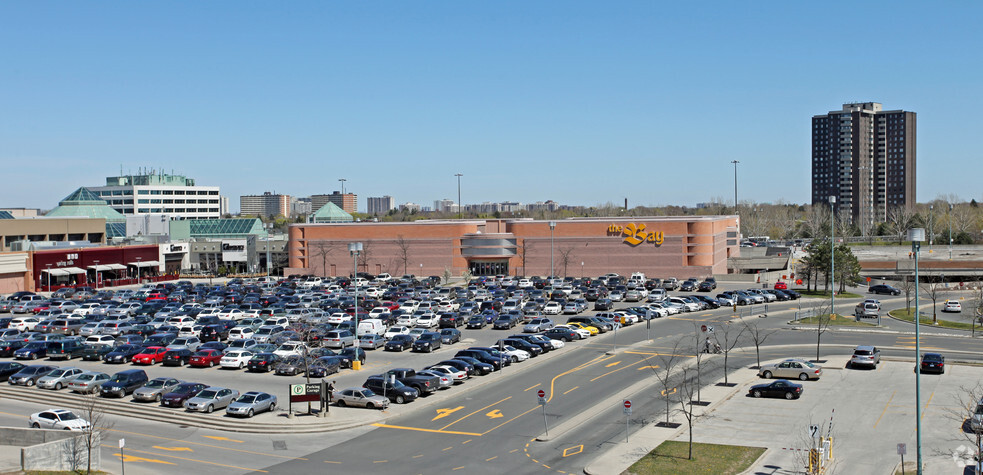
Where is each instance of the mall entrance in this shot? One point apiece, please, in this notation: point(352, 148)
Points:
point(481, 268)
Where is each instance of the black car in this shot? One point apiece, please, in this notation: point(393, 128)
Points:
point(483, 357)
point(396, 391)
point(707, 285)
point(324, 366)
point(262, 362)
point(449, 320)
point(350, 354)
point(477, 321)
point(932, 363)
point(603, 304)
point(96, 352)
point(400, 343)
point(450, 335)
point(883, 289)
point(181, 393)
point(460, 365)
point(8, 368)
point(504, 322)
point(688, 286)
point(8, 347)
point(778, 388)
point(122, 354)
point(427, 342)
point(177, 357)
point(564, 334)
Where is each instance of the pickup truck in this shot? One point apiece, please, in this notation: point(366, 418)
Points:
point(422, 383)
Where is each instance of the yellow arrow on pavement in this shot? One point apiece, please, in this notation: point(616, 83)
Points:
point(647, 367)
point(131, 458)
point(216, 437)
point(446, 412)
point(495, 414)
point(174, 449)
point(611, 364)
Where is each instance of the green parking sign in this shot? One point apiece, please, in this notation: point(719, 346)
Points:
point(298, 389)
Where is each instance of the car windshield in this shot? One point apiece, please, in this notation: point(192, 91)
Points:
point(367, 393)
point(207, 394)
point(154, 383)
point(248, 399)
point(67, 416)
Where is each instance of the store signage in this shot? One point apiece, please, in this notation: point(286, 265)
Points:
point(177, 248)
point(635, 234)
point(234, 250)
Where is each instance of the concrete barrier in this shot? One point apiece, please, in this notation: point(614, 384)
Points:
point(50, 449)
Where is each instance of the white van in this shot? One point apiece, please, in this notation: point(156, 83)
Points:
point(371, 326)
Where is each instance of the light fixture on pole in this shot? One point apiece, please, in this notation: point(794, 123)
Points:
point(97, 273)
point(735, 162)
point(460, 207)
point(269, 228)
point(916, 236)
point(931, 229)
point(139, 269)
point(581, 269)
point(552, 227)
point(342, 180)
point(832, 255)
point(49, 276)
point(355, 248)
point(948, 219)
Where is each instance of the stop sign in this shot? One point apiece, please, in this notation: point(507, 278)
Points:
point(541, 393)
point(627, 404)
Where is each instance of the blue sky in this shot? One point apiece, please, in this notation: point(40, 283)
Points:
point(579, 102)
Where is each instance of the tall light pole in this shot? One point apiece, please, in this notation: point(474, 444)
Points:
point(355, 248)
point(460, 207)
point(342, 180)
point(832, 255)
point(735, 162)
point(931, 229)
point(269, 228)
point(948, 219)
point(917, 235)
point(97, 274)
point(552, 227)
point(49, 276)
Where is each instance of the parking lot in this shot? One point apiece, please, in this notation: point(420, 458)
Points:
point(867, 412)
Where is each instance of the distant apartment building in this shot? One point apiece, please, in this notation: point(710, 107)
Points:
point(267, 204)
point(865, 157)
point(301, 207)
point(153, 192)
point(380, 205)
point(346, 201)
point(444, 205)
point(410, 207)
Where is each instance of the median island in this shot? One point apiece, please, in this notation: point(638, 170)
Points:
point(670, 458)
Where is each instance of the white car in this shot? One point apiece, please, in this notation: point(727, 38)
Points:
point(291, 348)
point(952, 306)
point(456, 375)
point(239, 333)
point(85, 309)
point(100, 340)
point(378, 312)
point(406, 320)
point(339, 317)
point(396, 330)
point(552, 308)
point(24, 324)
point(427, 320)
point(557, 344)
point(236, 359)
point(516, 354)
point(59, 419)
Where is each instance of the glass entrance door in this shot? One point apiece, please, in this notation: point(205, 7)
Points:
point(478, 268)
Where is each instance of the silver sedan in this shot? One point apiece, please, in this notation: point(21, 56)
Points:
point(251, 403)
point(359, 397)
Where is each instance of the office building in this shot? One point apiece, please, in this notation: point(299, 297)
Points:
point(348, 202)
point(444, 205)
point(267, 204)
point(154, 192)
point(380, 205)
point(865, 157)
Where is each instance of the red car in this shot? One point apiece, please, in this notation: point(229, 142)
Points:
point(205, 358)
point(150, 355)
point(781, 286)
point(156, 297)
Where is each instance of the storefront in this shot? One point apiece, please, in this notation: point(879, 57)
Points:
point(682, 247)
point(95, 267)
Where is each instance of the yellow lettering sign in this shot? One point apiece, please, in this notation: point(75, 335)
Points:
point(635, 234)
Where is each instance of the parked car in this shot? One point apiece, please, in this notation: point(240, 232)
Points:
point(262, 362)
point(395, 391)
point(150, 355)
point(124, 382)
point(360, 397)
point(176, 357)
point(538, 325)
point(952, 306)
point(780, 388)
point(400, 343)
point(58, 419)
point(29, 375)
point(338, 339)
point(371, 341)
point(932, 363)
point(205, 358)
point(791, 368)
point(324, 366)
point(427, 342)
point(450, 336)
point(58, 378)
point(122, 354)
point(181, 393)
point(236, 359)
point(209, 399)
point(865, 355)
point(88, 382)
point(251, 403)
point(155, 389)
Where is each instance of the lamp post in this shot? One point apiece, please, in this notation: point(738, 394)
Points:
point(735, 162)
point(581, 269)
point(460, 207)
point(97, 274)
point(931, 229)
point(552, 227)
point(342, 180)
point(269, 227)
point(916, 236)
point(355, 248)
point(49, 276)
point(421, 269)
point(139, 269)
point(832, 255)
point(948, 219)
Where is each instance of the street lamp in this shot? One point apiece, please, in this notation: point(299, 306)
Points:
point(269, 228)
point(355, 248)
point(552, 227)
point(342, 180)
point(460, 207)
point(581, 269)
point(916, 236)
point(948, 219)
point(97, 274)
point(139, 269)
point(735, 162)
point(832, 260)
point(49, 276)
point(931, 229)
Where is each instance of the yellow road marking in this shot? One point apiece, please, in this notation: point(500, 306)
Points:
point(571, 389)
point(495, 414)
point(671, 391)
point(380, 461)
point(547, 466)
point(417, 456)
point(448, 448)
point(656, 354)
point(578, 368)
point(647, 367)
point(466, 441)
point(218, 437)
point(330, 461)
point(510, 420)
point(388, 426)
point(490, 459)
point(206, 445)
point(513, 451)
point(174, 449)
point(580, 448)
point(457, 468)
point(612, 364)
point(524, 390)
point(534, 460)
point(133, 458)
point(189, 460)
point(930, 396)
point(885, 408)
point(446, 412)
point(616, 370)
point(475, 412)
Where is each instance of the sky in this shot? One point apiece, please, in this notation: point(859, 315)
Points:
point(583, 103)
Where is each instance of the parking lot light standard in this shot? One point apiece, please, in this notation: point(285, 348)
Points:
point(832, 260)
point(355, 248)
point(916, 236)
point(552, 227)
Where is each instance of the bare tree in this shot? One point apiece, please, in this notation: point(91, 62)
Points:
point(565, 258)
point(91, 409)
point(322, 249)
point(668, 362)
point(823, 319)
point(867, 230)
point(689, 386)
point(977, 300)
point(522, 251)
point(702, 347)
point(363, 257)
point(900, 219)
point(403, 247)
point(731, 340)
point(935, 291)
point(966, 411)
point(816, 224)
point(907, 286)
point(758, 336)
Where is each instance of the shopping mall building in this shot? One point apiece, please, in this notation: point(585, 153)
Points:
point(670, 246)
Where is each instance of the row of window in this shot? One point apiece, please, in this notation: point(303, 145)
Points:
point(177, 210)
point(168, 202)
point(178, 192)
